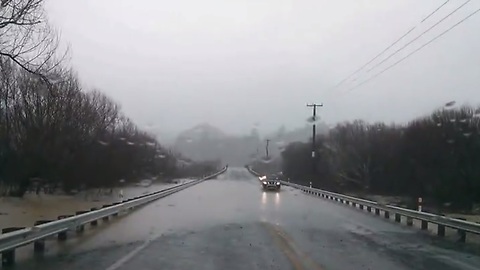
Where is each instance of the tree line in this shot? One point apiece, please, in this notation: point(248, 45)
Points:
point(70, 138)
point(436, 157)
point(54, 133)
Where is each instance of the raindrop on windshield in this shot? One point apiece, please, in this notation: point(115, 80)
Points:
point(439, 124)
point(130, 143)
point(450, 141)
point(313, 119)
point(453, 120)
point(449, 104)
point(266, 160)
point(102, 142)
point(467, 134)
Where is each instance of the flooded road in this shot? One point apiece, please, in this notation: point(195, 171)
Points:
point(230, 223)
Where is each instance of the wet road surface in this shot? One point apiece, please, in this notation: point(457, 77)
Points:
point(230, 223)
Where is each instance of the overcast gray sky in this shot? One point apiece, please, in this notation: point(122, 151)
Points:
point(233, 63)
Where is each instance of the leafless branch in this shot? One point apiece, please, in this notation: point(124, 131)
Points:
point(27, 38)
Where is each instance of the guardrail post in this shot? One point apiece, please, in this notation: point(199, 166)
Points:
point(441, 230)
point(386, 214)
point(369, 209)
point(377, 211)
point(62, 236)
point(39, 245)
point(8, 256)
point(106, 206)
point(360, 206)
point(461, 233)
point(398, 217)
point(116, 213)
point(462, 236)
point(80, 228)
point(424, 225)
point(94, 222)
point(409, 221)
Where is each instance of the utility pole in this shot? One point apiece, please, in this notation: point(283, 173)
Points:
point(266, 147)
point(314, 133)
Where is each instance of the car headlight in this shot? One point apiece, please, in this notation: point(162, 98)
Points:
point(264, 182)
point(278, 183)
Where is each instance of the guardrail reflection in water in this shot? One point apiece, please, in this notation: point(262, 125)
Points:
point(12, 238)
point(462, 226)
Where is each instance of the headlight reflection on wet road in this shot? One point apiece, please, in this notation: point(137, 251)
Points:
point(266, 198)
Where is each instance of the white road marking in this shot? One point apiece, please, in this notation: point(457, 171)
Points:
point(130, 255)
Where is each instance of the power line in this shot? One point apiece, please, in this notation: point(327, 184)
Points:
point(419, 36)
point(387, 48)
point(374, 58)
point(415, 51)
point(435, 11)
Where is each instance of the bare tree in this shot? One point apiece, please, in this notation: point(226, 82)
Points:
point(435, 157)
point(28, 39)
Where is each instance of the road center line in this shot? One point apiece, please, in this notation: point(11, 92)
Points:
point(284, 247)
point(299, 260)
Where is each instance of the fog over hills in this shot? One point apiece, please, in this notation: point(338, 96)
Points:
point(206, 142)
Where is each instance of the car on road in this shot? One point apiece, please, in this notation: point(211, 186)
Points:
point(270, 184)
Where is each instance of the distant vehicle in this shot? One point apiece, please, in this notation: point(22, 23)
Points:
point(270, 184)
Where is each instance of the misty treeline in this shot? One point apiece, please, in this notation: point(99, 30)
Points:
point(67, 137)
point(436, 157)
point(51, 132)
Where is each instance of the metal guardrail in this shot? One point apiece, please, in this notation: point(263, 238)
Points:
point(462, 226)
point(17, 237)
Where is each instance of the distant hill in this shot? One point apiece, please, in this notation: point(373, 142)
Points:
point(206, 142)
point(201, 132)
